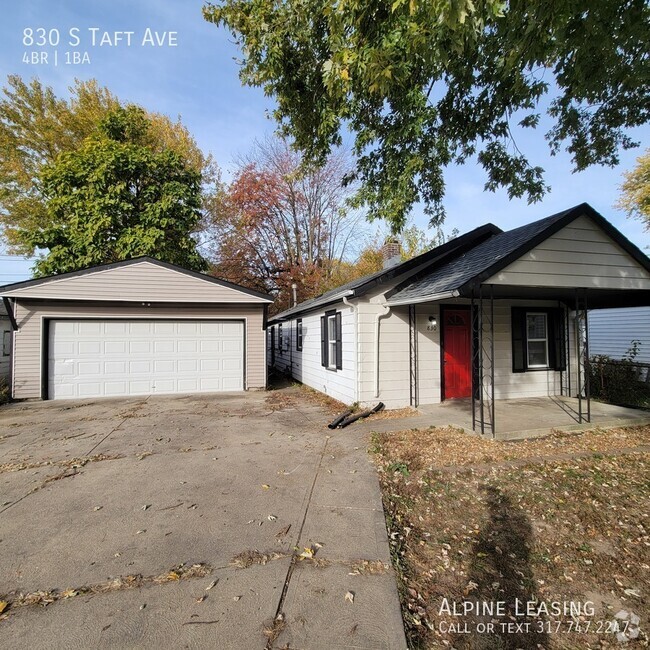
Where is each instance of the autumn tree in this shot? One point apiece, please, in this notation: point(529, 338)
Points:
point(278, 223)
point(422, 85)
point(36, 127)
point(635, 198)
point(114, 198)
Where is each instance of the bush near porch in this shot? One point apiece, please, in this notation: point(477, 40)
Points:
point(563, 518)
point(622, 382)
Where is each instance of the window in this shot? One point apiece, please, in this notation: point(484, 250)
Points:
point(299, 334)
point(537, 340)
point(331, 341)
point(6, 344)
point(280, 337)
point(330, 338)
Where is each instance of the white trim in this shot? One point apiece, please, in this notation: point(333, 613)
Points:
point(434, 297)
point(331, 343)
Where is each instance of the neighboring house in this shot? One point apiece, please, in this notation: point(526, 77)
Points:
point(611, 332)
point(5, 345)
point(413, 333)
point(136, 327)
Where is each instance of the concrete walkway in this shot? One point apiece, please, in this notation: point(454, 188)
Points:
point(517, 419)
point(159, 482)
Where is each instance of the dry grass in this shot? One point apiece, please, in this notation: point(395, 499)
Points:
point(47, 597)
point(393, 414)
point(553, 530)
point(247, 559)
point(72, 463)
point(272, 629)
point(321, 399)
point(449, 447)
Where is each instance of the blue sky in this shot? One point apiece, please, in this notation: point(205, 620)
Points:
point(198, 80)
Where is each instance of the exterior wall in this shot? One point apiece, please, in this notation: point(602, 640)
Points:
point(143, 282)
point(305, 365)
point(5, 368)
point(30, 314)
point(611, 332)
point(579, 255)
point(394, 366)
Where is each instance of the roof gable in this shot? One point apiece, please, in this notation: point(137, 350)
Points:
point(482, 263)
point(141, 279)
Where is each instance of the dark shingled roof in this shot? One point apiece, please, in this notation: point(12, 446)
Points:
point(357, 287)
point(453, 275)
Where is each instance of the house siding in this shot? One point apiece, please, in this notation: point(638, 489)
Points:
point(305, 365)
point(611, 332)
point(30, 315)
point(579, 255)
point(394, 364)
point(142, 281)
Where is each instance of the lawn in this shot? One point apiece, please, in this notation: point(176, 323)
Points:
point(532, 544)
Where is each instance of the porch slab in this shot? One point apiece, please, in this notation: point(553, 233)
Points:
point(517, 419)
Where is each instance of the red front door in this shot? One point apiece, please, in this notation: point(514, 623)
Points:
point(457, 355)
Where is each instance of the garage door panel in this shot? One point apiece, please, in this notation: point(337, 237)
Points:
point(115, 358)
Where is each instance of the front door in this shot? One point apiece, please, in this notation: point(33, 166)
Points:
point(457, 356)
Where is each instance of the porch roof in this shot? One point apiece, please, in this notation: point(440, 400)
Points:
point(464, 275)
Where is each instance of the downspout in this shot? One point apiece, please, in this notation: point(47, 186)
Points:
point(378, 317)
point(355, 311)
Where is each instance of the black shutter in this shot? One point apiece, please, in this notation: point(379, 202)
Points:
point(339, 346)
point(557, 339)
point(518, 322)
point(323, 341)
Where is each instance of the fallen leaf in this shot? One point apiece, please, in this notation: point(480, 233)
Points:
point(96, 508)
point(236, 598)
point(146, 506)
point(141, 531)
point(307, 553)
point(3, 605)
point(265, 486)
point(201, 599)
point(271, 517)
point(143, 605)
point(211, 585)
point(349, 597)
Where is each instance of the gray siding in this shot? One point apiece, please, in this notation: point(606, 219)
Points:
point(143, 282)
point(611, 332)
point(30, 315)
point(579, 255)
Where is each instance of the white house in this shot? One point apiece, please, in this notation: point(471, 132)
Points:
point(486, 316)
point(612, 331)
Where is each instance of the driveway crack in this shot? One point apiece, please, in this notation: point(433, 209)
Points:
point(294, 558)
point(138, 406)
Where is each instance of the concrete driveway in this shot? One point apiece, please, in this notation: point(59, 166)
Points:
point(122, 515)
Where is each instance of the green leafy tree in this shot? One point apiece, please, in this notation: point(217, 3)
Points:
point(115, 198)
point(635, 198)
point(422, 85)
point(36, 127)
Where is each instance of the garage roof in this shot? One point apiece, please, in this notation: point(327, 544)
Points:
point(141, 279)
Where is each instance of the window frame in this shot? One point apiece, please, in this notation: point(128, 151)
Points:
point(331, 342)
point(279, 337)
point(538, 366)
point(6, 343)
point(299, 334)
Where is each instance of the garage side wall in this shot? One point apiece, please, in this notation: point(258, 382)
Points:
point(30, 315)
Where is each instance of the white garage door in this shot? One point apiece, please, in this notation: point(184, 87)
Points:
point(132, 357)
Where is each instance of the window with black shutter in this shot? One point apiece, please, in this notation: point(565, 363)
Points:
point(331, 340)
point(538, 337)
point(299, 334)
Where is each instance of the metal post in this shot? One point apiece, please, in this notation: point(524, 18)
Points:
point(492, 361)
point(473, 355)
point(578, 355)
point(568, 350)
point(587, 362)
point(480, 358)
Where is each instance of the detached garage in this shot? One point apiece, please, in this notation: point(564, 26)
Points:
point(138, 327)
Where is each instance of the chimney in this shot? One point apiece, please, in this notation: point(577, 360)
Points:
point(391, 251)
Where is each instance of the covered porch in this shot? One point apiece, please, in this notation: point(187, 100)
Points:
point(533, 417)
